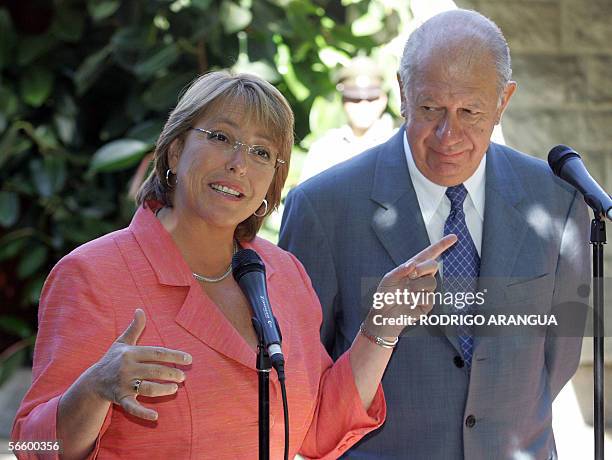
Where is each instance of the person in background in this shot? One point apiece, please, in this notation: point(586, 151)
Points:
point(465, 392)
point(364, 102)
point(145, 347)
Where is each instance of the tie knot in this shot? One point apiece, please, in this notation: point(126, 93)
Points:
point(456, 195)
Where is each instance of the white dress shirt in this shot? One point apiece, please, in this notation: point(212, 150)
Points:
point(435, 205)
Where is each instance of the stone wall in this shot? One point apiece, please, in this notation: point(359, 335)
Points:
point(562, 62)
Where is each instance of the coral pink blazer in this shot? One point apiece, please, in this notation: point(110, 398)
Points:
point(89, 299)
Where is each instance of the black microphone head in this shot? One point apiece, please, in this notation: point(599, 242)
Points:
point(245, 261)
point(558, 156)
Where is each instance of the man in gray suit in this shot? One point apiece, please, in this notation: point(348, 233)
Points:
point(470, 392)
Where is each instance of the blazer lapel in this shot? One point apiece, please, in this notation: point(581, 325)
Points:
point(197, 314)
point(203, 319)
point(504, 225)
point(505, 229)
point(397, 222)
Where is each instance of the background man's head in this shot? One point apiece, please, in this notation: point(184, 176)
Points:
point(455, 83)
point(363, 97)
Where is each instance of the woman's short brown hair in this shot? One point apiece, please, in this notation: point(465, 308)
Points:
point(264, 105)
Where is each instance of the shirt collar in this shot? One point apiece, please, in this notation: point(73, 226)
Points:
point(430, 194)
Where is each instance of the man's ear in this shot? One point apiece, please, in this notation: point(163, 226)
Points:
point(505, 99)
point(174, 154)
point(402, 99)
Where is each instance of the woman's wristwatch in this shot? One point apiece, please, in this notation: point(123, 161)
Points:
point(384, 343)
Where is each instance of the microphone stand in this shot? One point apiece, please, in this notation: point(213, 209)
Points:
point(598, 239)
point(264, 366)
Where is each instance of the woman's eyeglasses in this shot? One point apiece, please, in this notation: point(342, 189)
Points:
point(259, 154)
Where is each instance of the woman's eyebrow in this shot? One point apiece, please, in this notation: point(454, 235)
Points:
point(226, 121)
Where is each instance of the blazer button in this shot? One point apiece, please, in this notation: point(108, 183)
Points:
point(470, 421)
point(458, 360)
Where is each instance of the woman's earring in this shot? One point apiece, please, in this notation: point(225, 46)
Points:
point(265, 203)
point(168, 173)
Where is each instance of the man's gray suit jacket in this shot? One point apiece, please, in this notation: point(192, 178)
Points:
point(355, 222)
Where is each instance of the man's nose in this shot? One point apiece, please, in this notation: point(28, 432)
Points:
point(449, 130)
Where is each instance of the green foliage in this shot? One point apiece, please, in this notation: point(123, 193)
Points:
point(85, 87)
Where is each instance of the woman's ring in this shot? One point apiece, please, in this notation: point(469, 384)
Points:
point(136, 385)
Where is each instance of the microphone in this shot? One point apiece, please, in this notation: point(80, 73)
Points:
point(567, 164)
point(250, 273)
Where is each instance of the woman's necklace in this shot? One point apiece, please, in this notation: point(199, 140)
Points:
point(219, 278)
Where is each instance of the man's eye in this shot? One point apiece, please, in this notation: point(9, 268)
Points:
point(261, 152)
point(471, 112)
point(428, 108)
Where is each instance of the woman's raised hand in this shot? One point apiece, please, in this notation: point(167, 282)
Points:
point(403, 290)
point(128, 370)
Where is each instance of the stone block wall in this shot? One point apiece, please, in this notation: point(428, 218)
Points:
point(562, 62)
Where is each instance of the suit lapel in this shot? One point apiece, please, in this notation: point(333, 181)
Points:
point(504, 225)
point(397, 222)
point(504, 230)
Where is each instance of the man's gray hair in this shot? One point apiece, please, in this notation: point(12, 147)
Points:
point(467, 34)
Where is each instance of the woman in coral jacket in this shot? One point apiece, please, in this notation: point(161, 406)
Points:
point(145, 346)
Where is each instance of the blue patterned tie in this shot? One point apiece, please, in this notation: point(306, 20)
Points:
point(461, 263)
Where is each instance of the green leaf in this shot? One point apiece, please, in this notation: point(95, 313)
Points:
point(15, 326)
point(86, 74)
point(9, 208)
point(156, 61)
point(31, 261)
point(32, 47)
point(147, 131)
point(345, 39)
point(80, 230)
point(45, 138)
point(68, 24)
point(115, 125)
point(32, 290)
point(13, 242)
point(119, 154)
point(131, 38)
point(12, 144)
point(162, 95)
point(234, 17)
point(333, 57)
point(48, 175)
point(7, 39)
point(65, 126)
point(36, 86)
point(326, 113)
point(9, 103)
point(260, 68)
point(10, 364)
point(285, 67)
point(99, 10)
point(201, 4)
point(368, 24)
point(65, 104)
point(11, 249)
